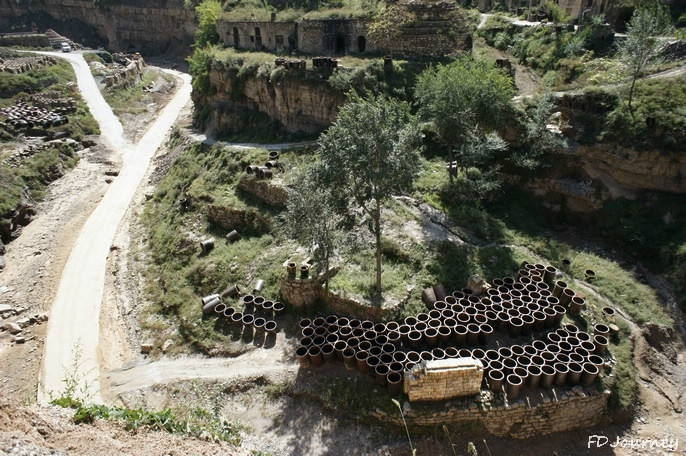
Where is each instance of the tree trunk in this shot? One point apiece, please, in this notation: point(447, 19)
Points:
point(450, 165)
point(377, 231)
point(631, 95)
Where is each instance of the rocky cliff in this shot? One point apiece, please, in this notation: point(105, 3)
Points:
point(290, 101)
point(146, 26)
point(593, 171)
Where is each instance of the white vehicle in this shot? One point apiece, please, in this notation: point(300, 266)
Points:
point(65, 47)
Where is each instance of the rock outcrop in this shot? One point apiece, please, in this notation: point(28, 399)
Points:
point(296, 104)
point(147, 26)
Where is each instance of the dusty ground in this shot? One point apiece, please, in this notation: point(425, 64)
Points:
point(281, 426)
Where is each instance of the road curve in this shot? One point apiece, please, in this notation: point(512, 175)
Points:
point(72, 340)
point(134, 378)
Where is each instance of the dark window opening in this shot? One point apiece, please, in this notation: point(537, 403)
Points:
point(340, 44)
point(279, 40)
point(361, 43)
point(252, 39)
point(236, 41)
point(257, 31)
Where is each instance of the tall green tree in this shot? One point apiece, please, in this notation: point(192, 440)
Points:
point(538, 139)
point(208, 12)
point(466, 101)
point(642, 44)
point(310, 217)
point(369, 154)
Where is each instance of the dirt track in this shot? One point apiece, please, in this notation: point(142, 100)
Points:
point(74, 329)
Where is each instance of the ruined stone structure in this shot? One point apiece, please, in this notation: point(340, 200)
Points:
point(334, 36)
point(576, 9)
point(272, 194)
point(24, 39)
point(304, 292)
point(129, 68)
point(443, 379)
point(278, 37)
point(438, 29)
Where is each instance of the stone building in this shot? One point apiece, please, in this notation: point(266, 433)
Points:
point(576, 9)
point(334, 36)
point(278, 37)
point(440, 28)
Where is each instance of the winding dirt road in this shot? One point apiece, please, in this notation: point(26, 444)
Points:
point(73, 334)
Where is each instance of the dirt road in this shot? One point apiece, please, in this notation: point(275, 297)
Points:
point(71, 344)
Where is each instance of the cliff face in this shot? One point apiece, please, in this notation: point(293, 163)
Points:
point(296, 104)
point(146, 26)
point(586, 176)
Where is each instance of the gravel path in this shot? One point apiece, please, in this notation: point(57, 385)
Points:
point(73, 335)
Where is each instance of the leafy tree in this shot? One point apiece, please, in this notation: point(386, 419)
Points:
point(538, 139)
point(558, 15)
point(642, 44)
point(369, 154)
point(310, 218)
point(208, 12)
point(466, 100)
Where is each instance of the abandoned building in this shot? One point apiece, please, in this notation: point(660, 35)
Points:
point(575, 9)
point(439, 29)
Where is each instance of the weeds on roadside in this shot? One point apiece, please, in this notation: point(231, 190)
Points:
point(76, 391)
point(402, 415)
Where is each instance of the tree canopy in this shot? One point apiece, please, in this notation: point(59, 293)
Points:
point(369, 154)
point(642, 43)
point(464, 95)
point(208, 12)
point(467, 102)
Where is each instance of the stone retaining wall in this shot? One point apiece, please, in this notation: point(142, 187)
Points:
point(266, 191)
point(305, 292)
point(554, 412)
point(33, 40)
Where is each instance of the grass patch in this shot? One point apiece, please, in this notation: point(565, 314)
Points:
point(179, 274)
point(126, 99)
point(29, 181)
point(199, 422)
point(663, 101)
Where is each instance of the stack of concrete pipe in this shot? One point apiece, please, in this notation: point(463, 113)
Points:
point(524, 312)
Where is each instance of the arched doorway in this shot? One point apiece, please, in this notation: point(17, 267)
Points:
point(361, 44)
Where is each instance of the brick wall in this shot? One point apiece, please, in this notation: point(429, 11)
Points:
point(443, 379)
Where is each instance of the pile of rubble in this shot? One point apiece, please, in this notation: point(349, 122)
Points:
point(18, 157)
point(21, 65)
point(23, 116)
point(17, 325)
